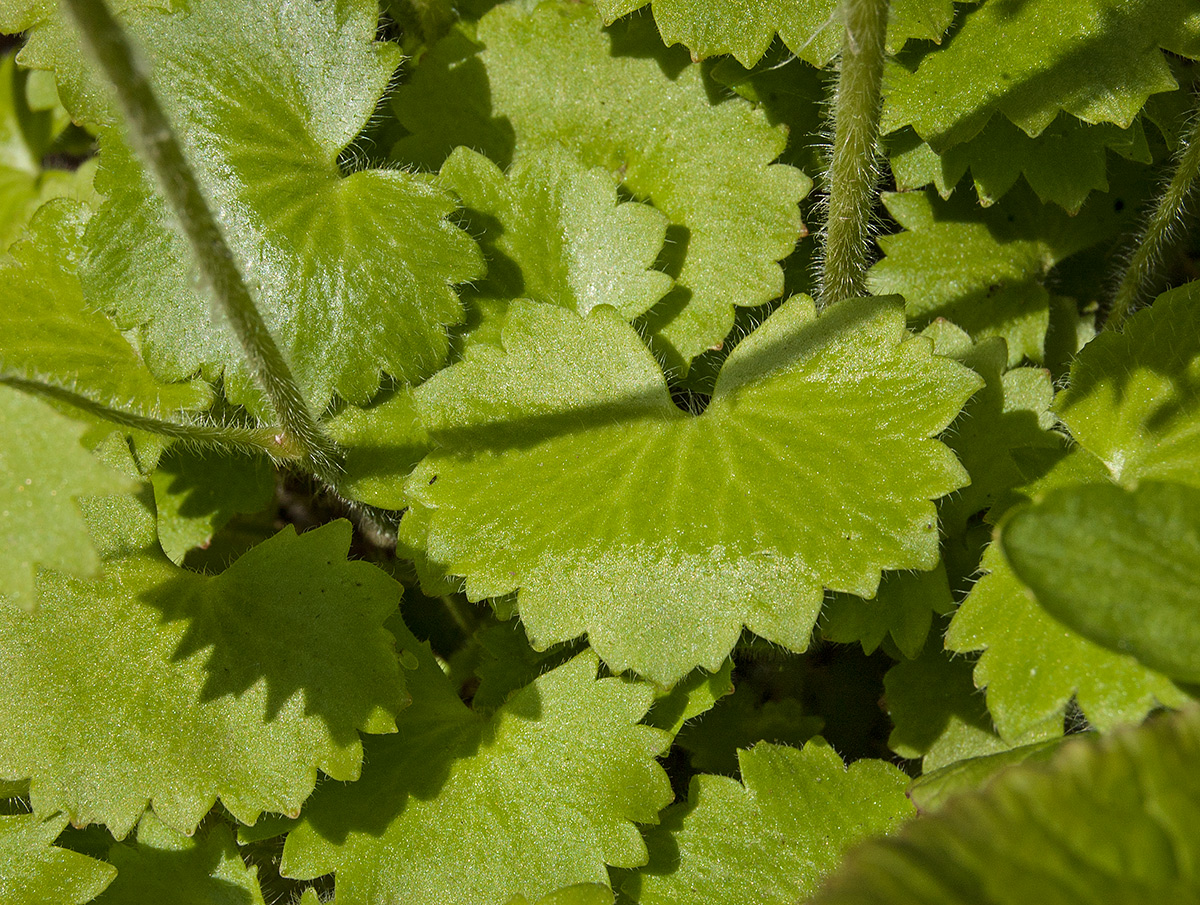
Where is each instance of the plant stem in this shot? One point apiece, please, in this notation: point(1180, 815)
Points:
point(151, 133)
point(853, 174)
point(1163, 229)
point(205, 433)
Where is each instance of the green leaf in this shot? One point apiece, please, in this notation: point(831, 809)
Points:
point(352, 273)
point(568, 473)
point(197, 493)
point(1032, 665)
point(1063, 164)
point(770, 840)
point(1120, 567)
point(1098, 60)
point(33, 871)
point(696, 694)
point(984, 269)
point(459, 808)
point(1133, 399)
point(382, 443)
point(553, 230)
point(1105, 822)
point(238, 686)
point(164, 865)
point(44, 469)
point(580, 894)
point(50, 335)
point(507, 664)
point(903, 608)
point(745, 28)
point(617, 99)
point(931, 790)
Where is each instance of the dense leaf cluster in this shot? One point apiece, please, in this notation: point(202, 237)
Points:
point(459, 496)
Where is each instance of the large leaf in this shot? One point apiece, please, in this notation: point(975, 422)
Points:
point(43, 471)
point(1032, 665)
point(33, 871)
point(812, 30)
point(1120, 567)
point(553, 230)
point(568, 473)
point(163, 865)
point(1096, 59)
point(772, 839)
point(617, 99)
point(352, 273)
point(50, 335)
point(239, 686)
point(1103, 822)
point(472, 810)
point(1134, 397)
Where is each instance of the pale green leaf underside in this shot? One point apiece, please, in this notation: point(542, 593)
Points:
point(771, 840)
point(568, 473)
point(238, 686)
point(552, 230)
point(43, 470)
point(1031, 664)
point(745, 28)
point(457, 808)
point(1120, 567)
point(1096, 59)
point(48, 334)
point(33, 871)
point(1134, 396)
point(352, 274)
point(1106, 822)
point(553, 76)
point(163, 865)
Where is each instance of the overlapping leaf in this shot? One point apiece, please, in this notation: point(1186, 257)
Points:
point(458, 808)
point(352, 273)
point(568, 473)
point(1096, 59)
point(619, 100)
point(1105, 822)
point(239, 686)
point(770, 840)
point(44, 469)
point(163, 865)
point(49, 334)
point(902, 609)
point(745, 28)
point(34, 871)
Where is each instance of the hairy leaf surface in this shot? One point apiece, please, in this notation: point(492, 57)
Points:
point(461, 808)
point(352, 273)
point(568, 473)
point(33, 871)
point(619, 100)
point(771, 839)
point(1106, 822)
point(238, 686)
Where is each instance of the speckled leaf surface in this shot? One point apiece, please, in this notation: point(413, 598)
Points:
point(618, 99)
point(460, 808)
point(570, 475)
point(773, 838)
point(34, 871)
point(352, 273)
point(239, 686)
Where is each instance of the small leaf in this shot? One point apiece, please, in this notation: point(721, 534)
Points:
point(1120, 567)
point(568, 473)
point(696, 694)
point(239, 686)
point(163, 865)
point(770, 840)
point(553, 780)
point(1110, 821)
point(43, 471)
point(33, 871)
point(931, 790)
point(617, 99)
point(903, 608)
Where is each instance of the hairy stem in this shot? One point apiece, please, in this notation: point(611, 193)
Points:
point(203, 433)
point(152, 135)
point(1164, 228)
point(853, 174)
